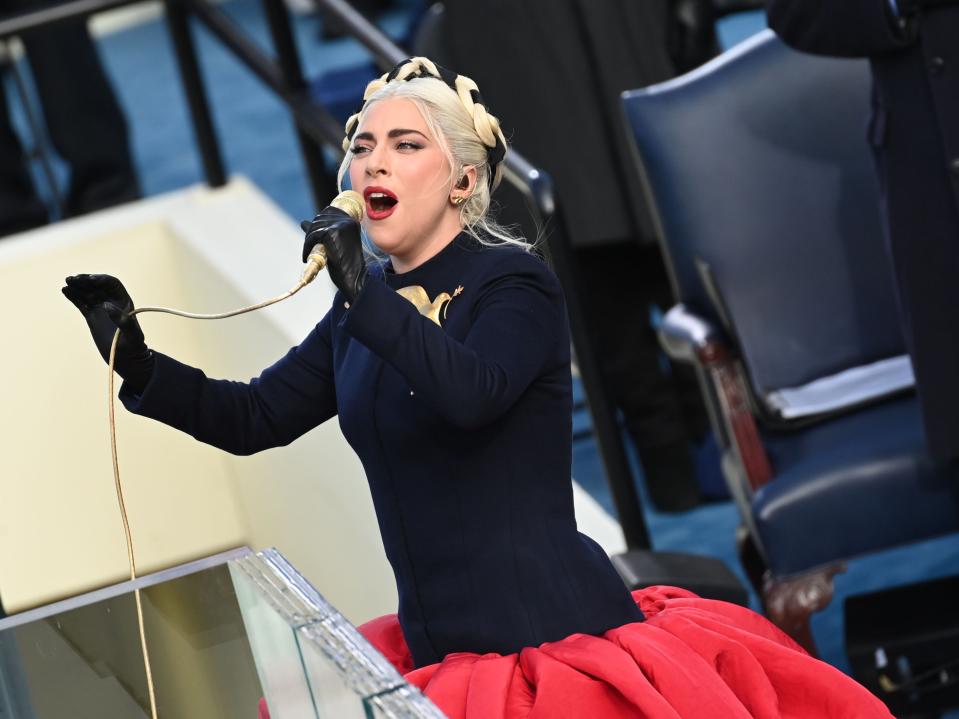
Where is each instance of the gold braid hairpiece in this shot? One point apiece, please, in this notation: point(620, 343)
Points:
point(487, 126)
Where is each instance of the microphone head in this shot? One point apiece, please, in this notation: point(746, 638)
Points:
point(351, 202)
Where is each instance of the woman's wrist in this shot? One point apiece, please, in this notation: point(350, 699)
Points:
point(138, 371)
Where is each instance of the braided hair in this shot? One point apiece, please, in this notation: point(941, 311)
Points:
point(466, 131)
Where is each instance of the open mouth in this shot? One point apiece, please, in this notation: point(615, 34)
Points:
point(380, 202)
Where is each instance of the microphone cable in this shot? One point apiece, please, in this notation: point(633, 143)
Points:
point(350, 202)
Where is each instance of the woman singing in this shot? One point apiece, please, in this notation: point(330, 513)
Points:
point(447, 361)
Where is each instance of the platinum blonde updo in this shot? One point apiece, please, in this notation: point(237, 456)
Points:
point(465, 131)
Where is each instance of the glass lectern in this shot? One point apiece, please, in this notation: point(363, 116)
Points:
point(226, 635)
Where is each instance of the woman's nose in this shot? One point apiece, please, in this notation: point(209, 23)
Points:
point(376, 162)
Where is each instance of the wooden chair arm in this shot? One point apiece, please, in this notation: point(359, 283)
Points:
point(727, 377)
point(688, 337)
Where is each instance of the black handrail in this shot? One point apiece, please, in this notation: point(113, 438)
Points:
point(17, 24)
point(179, 25)
point(315, 127)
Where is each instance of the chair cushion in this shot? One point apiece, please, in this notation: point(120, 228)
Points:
point(855, 484)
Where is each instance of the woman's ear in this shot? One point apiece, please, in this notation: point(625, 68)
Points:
point(468, 180)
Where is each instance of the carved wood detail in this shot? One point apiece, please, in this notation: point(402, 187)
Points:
point(790, 603)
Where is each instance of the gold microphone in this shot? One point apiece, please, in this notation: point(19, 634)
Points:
point(351, 202)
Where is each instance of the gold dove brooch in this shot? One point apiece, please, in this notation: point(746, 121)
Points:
point(421, 301)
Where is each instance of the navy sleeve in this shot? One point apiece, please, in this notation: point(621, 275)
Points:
point(518, 325)
point(842, 28)
point(288, 399)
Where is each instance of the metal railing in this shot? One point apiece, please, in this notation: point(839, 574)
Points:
point(316, 127)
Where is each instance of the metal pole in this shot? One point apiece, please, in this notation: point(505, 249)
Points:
point(322, 183)
point(178, 22)
point(386, 52)
point(619, 475)
point(313, 119)
point(57, 12)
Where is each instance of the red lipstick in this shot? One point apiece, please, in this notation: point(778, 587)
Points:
point(380, 202)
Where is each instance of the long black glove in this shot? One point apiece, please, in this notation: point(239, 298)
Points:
point(106, 305)
point(340, 234)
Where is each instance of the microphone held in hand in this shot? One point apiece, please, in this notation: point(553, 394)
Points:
point(350, 202)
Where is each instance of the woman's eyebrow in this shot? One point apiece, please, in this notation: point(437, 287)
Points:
point(402, 131)
point(391, 134)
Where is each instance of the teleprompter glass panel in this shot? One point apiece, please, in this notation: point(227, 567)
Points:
point(228, 636)
point(338, 661)
point(85, 661)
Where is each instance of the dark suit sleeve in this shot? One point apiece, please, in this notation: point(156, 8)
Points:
point(288, 399)
point(844, 28)
point(518, 328)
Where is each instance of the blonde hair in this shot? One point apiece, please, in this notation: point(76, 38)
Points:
point(467, 134)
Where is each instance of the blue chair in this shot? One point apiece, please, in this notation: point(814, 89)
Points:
point(758, 170)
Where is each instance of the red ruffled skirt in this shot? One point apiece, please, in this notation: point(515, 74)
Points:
point(692, 657)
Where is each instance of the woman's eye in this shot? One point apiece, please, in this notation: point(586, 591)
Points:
point(408, 145)
point(359, 149)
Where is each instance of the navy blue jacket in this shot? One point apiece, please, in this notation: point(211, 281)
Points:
point(914, 133)
point(464, 431)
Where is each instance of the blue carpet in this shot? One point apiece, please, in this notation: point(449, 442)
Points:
point(258, 141)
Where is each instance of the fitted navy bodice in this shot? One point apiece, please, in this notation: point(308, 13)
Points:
point(463, 426)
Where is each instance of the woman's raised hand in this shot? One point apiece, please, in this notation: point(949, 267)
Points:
point(340, 235)
point(106, 306)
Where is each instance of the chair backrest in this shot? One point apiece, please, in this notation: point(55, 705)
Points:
point(762, 184)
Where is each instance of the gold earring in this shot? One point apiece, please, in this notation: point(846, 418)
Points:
point(458, 200)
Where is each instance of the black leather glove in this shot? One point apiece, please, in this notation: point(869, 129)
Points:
point(340, 235)
point(106, 306)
